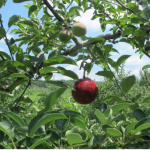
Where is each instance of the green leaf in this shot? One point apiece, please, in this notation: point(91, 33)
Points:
point(5, 55)
point(48, 69)
point(74, 114)
point(5, 126)
point(74, 138)
point(58, 83)
point(68, 73)
point(107, 48)
point(107, 74)
point(73, 10)
point(38, 59)
point(52, 53)
point(20, 1)
point(113, 132)
point(17, 83)
point(103, 107)
point(42, 119)
point(122, 59)
point(141, 127)
point(15, 117)
point(127, 31)
point(23, 129)
point(2, 33)
point(11, 41)
point(113, 98)
point(1, 3)
point(13, 20)
point(27, 22)
point(101, 117)
point(140, 33)
point(133, 6)
point(103, 26)
point(24, 99)
point(53, 36)
point(112, 63)
point(130, 127)
point(60, 60)
point(12, 64)
point(20, 55)
point(85, 4)
point(146, 99)
point(116, 108)
point(96, 139)
point(139, 114)
point(1, 136)
point(99, 52)
point(145, 67)
point(92, 40)
point(78, 122)
point(17, 75)
point(128, 83)
point(39, 142)
point(134, 99)
point(61, 124)
point(31, 10)
point(143, 121)
point(52, 97)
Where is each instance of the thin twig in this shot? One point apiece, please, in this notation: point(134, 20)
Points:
point(88, 48)
point(117, 83)
point(111, 19)
point(2, 57)
point(23, 93)
point(7, 40)
point(4, 89)
point(146, 53)
point(53, 11)
point(69, 5)
point(130, 10)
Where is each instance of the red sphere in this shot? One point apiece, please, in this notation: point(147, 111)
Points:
point(85, 91)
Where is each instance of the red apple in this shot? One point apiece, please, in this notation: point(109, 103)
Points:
point(85, 91)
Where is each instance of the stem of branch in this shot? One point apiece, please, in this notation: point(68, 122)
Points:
point(2, 57)
point(70, 4)
point(4, 89)
point(52, 10)
point(130, 10)
point(23, 93)
point(75, 40)
point(7, 40)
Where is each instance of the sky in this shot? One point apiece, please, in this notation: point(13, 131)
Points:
point(133, 63)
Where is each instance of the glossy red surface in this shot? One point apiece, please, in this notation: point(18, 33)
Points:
point(85, 91)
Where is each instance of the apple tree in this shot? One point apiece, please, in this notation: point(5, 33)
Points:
point(27, 124)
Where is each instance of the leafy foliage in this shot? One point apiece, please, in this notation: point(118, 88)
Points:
point(35, 113)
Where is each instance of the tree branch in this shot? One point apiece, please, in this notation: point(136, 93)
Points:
point(146, 53)
point(4, 89)
point(2, 57)
point(58, 17)
point(86, 44)
point(6, 39)
point(70, 4)
point(23, 93)
point(52, 10)
point(76, 40)
point(130, 10)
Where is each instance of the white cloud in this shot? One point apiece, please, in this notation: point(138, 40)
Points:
point(136, 72)
point(136, 61)
point(9, 36)
point(85, 18)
